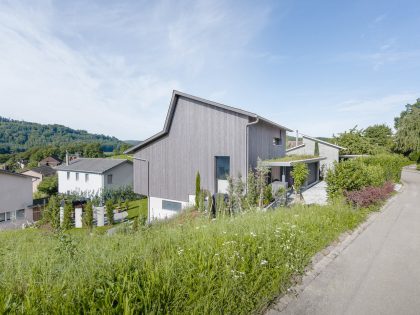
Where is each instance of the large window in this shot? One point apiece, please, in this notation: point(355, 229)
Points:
point(109, 179)
point(20, 214)
point(171, 205)
point(77, 176)
point(68, 175)
point(222, 167)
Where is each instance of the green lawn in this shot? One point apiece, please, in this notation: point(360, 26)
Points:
point(137, 207)
point(190, 265)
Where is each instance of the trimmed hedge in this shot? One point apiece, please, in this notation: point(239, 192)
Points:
point(363, 172)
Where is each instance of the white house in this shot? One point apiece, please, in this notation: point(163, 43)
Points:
point(326, 149)
point(85, 175)
point(15, 199)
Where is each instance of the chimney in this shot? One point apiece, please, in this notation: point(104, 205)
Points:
point(67, 158)
point(297, 138)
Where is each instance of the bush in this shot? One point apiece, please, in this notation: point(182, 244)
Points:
point(109, 206)
point(352, 175)
point(369, 195)
point(299, 174)
point(391, 164)
point(67, 216)
point(88, 216)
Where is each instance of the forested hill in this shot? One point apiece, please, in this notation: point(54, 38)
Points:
point(18, 136)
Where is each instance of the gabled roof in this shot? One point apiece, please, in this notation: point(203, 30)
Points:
point(44, 170)
point(51, 157)
point(171, 111)
point(93, 165)
point(323, 142)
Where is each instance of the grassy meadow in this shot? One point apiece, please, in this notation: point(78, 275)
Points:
point(190, 265)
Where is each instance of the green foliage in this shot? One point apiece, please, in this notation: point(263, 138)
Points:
point(88, 216)
point(359, 173)
point(231, 195)
point(16, 136)
point(299, 174)
point(316, 150)
point(197, 189)
point(109, 207)
point(67, 217)
point(408, 109)
point(391, 165)
point(52, 214)
point(238, 194)
point(407, 138)
point(261, 178)
point(49, 185)
point(251, 193)
point(229, 265)
point(221, 208)
point(414, 156)
point(379, 135)
point(355, 142)
point(268, 195)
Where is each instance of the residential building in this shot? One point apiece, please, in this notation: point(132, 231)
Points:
point(39, 173)
point(15, 199)
point(201, 136)
point(52, 161)
point(329, 151)
point(92, 175)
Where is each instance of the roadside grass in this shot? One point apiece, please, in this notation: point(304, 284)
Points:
point(189, 265)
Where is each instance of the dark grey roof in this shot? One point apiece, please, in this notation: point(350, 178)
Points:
point(94, 165)
point(15, 174)
point(44, 170)
point(169, 116)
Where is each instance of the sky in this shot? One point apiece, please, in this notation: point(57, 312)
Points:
point(110, 67)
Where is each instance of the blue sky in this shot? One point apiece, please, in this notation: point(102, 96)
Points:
point(110, 66)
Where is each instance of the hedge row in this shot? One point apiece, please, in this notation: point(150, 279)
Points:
point(372, 171)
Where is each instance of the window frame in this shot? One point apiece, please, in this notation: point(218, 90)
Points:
point(177, 204)
point(226, 174)
point(77, 176)
point(109, 182)
point(68, 175)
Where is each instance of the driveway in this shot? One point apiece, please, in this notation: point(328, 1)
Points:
point(379, 272)
point(317, 194)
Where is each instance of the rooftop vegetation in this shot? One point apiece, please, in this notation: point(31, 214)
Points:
point(291, 158)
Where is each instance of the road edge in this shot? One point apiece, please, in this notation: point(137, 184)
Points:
point(323, 258)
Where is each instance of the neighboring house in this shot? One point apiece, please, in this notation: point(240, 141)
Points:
point(15, 199)
point(327, 150)
point(39, 173)
point(85, 175)
point(201, 136)
point(52, 161)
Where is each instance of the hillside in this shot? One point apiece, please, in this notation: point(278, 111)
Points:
point(19, 136)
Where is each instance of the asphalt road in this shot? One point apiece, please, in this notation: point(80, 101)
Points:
point(379, 272)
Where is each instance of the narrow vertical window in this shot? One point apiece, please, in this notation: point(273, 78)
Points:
point(86, 177)
point(109, 179)
point(77, 176)
point(68, 175)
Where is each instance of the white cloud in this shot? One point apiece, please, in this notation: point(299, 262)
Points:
point(111, 69)
point(382, 104)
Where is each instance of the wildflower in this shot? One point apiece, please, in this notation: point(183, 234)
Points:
point(253, 234)
point(264, 262)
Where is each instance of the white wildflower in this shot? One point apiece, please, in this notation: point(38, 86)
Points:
point(264, 262)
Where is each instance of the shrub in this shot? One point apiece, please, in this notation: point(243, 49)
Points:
point(109, 205)
point(197, 190)
point(53, 212)
point(299, 173)
point(67, 216)
point(391, 164)
point(316, 150)
point(352, 175)
point(88, 217)
point(369, 195)
point(251, 190)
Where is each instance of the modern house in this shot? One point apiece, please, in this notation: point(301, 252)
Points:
point(201, 136)
point(15, 199)
point(329, 151)
point(92, 175)
point(39, 173)
point(52, 161)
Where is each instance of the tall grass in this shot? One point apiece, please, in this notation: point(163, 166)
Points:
point(229, 265)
